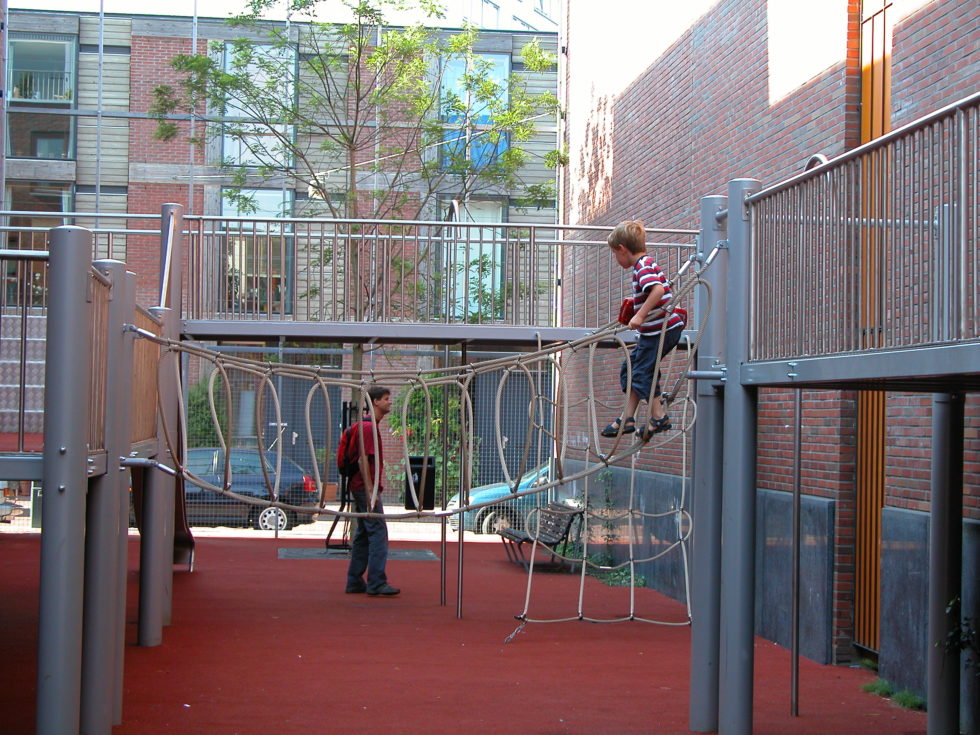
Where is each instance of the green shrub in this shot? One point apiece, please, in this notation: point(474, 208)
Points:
point(201, 431)
point(909, 699)
point(878, 686)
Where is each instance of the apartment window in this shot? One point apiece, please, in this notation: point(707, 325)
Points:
point(467, 111)
point(248, 143)
point(258, 252)
point(523, 23)
point(24, 281)
point(41, 80)
point(474, 263)
point(482, 13)
point(545, 7)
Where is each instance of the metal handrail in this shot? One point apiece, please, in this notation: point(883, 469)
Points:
point(879, 142)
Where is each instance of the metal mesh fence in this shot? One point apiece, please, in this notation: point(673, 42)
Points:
point(282, 429)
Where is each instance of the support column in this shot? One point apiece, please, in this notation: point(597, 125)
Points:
point(945, 561)
point(739, 491)
point(105, 522)
point(157, 545)
point(707, 479)
point(66, 409)
point(124, 491)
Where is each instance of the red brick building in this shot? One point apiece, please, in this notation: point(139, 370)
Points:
point(664, 109)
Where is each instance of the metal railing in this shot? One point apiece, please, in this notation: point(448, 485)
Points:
point(40, 86)
point(314, 269)
point(23, 317)
point(875, 250)
point(406, 271)
point(23, 306)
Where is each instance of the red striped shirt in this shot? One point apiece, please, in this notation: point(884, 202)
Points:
point(646, 275)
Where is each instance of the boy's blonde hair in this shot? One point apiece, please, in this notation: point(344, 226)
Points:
point(630, 234)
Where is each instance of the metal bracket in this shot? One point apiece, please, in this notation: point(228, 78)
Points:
point(146, 462)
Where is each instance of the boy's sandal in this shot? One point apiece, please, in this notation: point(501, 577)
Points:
point(655, 426)
point(629, 426)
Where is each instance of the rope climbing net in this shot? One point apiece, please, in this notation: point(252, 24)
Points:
point(562, 420)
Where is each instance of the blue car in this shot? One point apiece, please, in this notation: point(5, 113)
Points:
point(208, 508)
point(510, 512)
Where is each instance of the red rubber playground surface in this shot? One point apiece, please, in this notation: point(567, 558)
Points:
point(269, 646)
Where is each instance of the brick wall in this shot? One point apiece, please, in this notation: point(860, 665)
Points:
point(936, 58)
point(693, 113)
point(143, 253)
point(149, 68)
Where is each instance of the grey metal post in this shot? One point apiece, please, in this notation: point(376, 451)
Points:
point(738, 501)
point(171, 296)
point(66, 410)
point(123, 486)
point(157, 547)
point(945, 561)
point(794, 687)
point(103, 526)
point(464, 493)
point(171, 256)
point(706, 501)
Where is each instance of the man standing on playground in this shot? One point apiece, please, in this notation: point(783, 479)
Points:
point(651, 294)
point(369, 548)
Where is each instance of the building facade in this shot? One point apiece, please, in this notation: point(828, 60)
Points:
point(666, 110)
point(80, 134)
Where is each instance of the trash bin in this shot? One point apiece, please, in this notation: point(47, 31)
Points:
point(427, 494)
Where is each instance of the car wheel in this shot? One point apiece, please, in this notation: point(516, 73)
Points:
point(269, 519)
point(497, 518)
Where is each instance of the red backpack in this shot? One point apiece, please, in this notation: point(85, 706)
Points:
point(347, 453)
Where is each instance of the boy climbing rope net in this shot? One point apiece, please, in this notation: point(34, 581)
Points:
point(654, 322)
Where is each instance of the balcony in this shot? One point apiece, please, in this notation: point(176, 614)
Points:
point(34, 86)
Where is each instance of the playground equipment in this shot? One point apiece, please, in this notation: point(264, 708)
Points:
point(840, 332)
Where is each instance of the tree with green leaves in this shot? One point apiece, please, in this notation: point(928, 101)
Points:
point(372, 121)
point(424, 431)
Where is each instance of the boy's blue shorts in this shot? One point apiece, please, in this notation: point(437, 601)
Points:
point(644, 359)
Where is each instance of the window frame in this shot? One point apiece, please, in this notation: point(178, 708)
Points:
point(28, 117)
point(478, 150)
point(255, 277)
point(459, 256)
point(243, 156)
point(25, 282)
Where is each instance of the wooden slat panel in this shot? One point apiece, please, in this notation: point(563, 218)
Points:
point(116, 31)
point(115, 81)
point(113, 156)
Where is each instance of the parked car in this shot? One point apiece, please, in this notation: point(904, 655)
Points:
point(208, 508)
point(510, 512)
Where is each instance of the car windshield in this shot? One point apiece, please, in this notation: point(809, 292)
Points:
point(243, 462)
point(199, 460)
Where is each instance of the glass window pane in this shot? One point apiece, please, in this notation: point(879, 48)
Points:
point(462, 95)
point(41, 76)
point(484, 150)
point(477, 267)
point(268, 67)
point(459, 93)
point(25, 282)
point(37, 135)
point(258, 253)
point(41, 70)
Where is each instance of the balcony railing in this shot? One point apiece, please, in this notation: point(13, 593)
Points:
point(40, 86)
point(408, 271)
point(877, 249)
